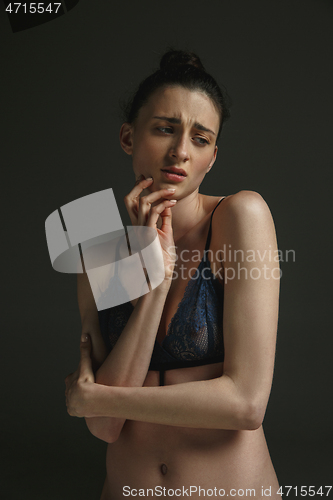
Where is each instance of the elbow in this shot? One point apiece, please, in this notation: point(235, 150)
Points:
point(252, 415)
point(101, 430)
point(112, 437)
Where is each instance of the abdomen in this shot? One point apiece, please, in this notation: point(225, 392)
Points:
point(150, 457)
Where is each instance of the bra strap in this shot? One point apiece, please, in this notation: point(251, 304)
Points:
point(210, 228)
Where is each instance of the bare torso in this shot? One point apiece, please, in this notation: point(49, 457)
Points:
point(150, 455)
point(169, 461)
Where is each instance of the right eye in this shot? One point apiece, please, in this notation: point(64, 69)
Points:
point(165, 130)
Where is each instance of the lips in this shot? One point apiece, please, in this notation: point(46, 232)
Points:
point(175, 170)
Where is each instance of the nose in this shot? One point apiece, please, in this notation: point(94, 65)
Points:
point(180, 149)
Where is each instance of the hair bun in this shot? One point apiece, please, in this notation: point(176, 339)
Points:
point(174, 59)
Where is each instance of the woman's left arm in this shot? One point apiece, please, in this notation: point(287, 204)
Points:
point(237, 399)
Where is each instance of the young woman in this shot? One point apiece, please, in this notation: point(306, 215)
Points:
point(185, 371)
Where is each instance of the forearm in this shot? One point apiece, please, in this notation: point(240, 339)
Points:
point(210, 404)
point(128, 362)
point(90, 321)
point(104, 428)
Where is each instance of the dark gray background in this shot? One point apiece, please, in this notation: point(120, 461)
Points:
point(60, 88)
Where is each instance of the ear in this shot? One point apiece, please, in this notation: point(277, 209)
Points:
point(213, 160)
point(126, 138)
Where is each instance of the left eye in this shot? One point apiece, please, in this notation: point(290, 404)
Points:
point(166, 130)
point(201, 140)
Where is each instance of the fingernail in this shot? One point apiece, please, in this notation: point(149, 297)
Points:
point(173, 201)
point(84, 338)
point(171, 189)
point(149, 179)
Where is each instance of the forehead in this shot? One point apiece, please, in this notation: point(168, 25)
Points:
point(187, 105)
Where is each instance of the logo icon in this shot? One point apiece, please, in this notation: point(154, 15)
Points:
point(87, 235)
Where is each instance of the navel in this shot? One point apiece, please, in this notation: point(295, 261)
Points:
point(164, 469)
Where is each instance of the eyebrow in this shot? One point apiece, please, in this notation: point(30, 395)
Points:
point(178, 121)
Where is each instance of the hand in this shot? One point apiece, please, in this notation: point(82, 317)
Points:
point(78, 383)
point(146, 210)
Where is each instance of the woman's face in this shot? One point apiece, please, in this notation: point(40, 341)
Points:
point(175, 130)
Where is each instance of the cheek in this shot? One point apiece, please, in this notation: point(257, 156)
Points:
point(138, 157)
point(203, 164)
point(141, 164)
point(201, 176)
point(146, 154)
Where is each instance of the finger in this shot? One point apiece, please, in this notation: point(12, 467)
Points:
point(164, 210)
point(157, 195)
point(166, 217)
point(131, 200)
point(146, 202)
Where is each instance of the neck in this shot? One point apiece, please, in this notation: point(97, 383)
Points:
point(186, 214)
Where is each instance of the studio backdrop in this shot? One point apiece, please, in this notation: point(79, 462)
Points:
point(64, 78)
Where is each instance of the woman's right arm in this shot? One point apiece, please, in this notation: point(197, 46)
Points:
point(128, 362)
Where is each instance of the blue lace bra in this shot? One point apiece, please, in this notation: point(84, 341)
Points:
point(194, 336)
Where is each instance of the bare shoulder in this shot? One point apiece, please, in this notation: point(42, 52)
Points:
point(246, 202)
point(244, 205)
point(244, 215)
